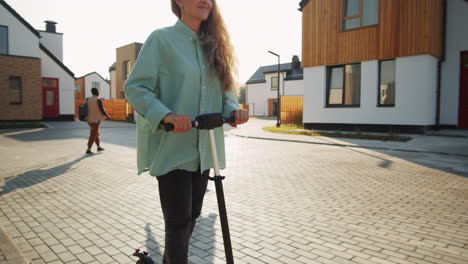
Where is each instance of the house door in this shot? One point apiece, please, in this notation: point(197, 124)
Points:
point(463, 106)
point(50, 97)
point(275, 107)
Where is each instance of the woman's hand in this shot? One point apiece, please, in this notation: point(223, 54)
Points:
point(241, 116)
point(181, 123)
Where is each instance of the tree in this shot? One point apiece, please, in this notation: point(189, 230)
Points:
point(242, 93)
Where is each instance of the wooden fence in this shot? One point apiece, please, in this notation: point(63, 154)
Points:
point(118, 109)
point(291, 110)
point(244, 106)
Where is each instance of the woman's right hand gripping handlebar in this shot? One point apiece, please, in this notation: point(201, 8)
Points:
point(181, 123)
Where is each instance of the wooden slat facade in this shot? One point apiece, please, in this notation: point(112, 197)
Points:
point(405, 28)
point(291, 110)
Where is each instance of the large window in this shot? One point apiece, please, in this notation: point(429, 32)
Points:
point(274, 83)
point(344, 85)
point(360, 13)
point(387, 83)
point(96, 85)
point(125, 69)
point(3, 40)
point(15, 90)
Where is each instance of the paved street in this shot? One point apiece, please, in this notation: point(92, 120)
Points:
point(288, 202)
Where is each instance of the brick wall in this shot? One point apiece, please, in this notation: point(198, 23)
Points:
point(29, 69)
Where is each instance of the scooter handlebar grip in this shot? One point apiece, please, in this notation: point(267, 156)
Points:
point(230, 120)
point(170, 127)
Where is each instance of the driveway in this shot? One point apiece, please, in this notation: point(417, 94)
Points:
point(288, 202)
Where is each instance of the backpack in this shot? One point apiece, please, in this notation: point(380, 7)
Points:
point(83, 111)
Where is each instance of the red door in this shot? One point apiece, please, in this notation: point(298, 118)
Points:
point(50, 97)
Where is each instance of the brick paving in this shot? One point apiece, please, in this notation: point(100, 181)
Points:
point(287, 203)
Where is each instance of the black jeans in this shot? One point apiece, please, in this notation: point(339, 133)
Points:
point(181, 193)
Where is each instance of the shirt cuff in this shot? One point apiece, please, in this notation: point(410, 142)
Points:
point(155, 115)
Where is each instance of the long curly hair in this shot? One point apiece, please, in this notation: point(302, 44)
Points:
point(217, 46)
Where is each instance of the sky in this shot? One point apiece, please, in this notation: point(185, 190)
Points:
point(93, 29)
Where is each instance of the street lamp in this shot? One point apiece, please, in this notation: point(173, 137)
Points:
point(278, 119)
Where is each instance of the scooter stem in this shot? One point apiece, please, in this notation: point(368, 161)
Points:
point(214, 153)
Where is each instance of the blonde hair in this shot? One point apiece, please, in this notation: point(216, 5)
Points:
point(217, 46)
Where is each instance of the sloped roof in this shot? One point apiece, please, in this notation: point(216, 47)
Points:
point(56, 60)
point(291, 74)
point(21, 19)
point(112, 68)
point(92, 73)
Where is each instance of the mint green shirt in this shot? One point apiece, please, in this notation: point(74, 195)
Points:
point(171, 74)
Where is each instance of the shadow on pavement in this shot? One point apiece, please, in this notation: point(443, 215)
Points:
point(151, 246)
point(33, 177)
point(201, 244)
point(205, 234)
point(112, 132)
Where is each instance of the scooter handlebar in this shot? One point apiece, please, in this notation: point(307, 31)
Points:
point(170, 127)
point(205, 121)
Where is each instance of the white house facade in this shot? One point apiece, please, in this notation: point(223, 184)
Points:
point(35, 84)
point(410, 94)
point(262, 87)
point(95, 80)
point(413, 104)
point(51, 69)
point(52, 39)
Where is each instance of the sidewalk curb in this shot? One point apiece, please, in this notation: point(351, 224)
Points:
point(353, 146)
point(9, 250)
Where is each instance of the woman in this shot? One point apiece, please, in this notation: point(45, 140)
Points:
point(181, 72)
point(96, 114)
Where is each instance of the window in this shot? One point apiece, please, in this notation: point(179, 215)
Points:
point(344, 85)
point(122, 95)
point(77, 87)
point(96, 85)
point(360, 13)
point(387, 83)
point(125, 69)
point(274, 83)
point(3, 40)
point(15, 90)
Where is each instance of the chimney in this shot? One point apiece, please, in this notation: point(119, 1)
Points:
point(50, 26)
point(296, 64)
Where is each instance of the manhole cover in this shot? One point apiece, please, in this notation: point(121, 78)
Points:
point(461, 169)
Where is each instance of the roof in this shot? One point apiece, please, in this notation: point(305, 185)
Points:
point(22, 20)
point(291, 74)
point(112, 68)
point(56, 60)
point(302, 4)
point(90, 74)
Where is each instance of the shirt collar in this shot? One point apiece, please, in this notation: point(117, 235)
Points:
point(182, 27)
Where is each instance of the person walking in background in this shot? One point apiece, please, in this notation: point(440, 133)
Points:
point(96, 114)
point(181, 72)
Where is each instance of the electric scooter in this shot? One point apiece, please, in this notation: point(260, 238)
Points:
point(210, 122)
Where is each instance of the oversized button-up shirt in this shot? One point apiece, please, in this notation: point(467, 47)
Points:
point(171, 75)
